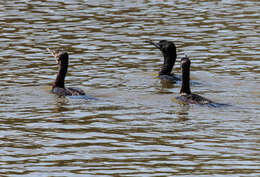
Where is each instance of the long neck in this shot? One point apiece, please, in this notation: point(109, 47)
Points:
point(169, 61)
point(60, 78)
point(185, 87)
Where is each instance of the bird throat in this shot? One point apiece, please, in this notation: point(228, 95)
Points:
point(185, 87)
point(60, 78)
point(169, 61)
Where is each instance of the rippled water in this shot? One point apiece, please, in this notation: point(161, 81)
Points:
point(135, 128)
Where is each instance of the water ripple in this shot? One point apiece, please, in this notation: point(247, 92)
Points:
point(134, 128)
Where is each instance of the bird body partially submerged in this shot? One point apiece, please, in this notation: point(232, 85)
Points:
point(58, 87)
point(186, 97)
point(193, 99)
point(67, 91)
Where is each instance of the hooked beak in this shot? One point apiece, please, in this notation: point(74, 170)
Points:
point(155, 44)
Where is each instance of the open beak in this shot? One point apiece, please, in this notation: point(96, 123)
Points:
point(57, 61)
point(54, 54)
point(155, 44)
point(49, 50)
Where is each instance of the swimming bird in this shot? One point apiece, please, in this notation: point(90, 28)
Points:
point(186, 97)
point(58, 87)
point(168, 50)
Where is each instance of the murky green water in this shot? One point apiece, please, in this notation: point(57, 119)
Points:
point(135, 128)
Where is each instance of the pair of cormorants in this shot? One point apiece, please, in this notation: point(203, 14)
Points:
point(168, 50)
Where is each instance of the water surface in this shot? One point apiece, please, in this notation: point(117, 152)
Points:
point(135, 128)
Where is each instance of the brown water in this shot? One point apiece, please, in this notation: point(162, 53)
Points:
point(135, 128)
